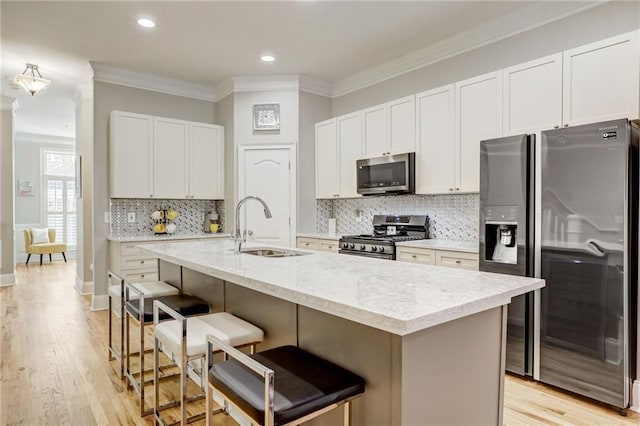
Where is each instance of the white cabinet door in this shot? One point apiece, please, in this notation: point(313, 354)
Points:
point(375, 131)
point(170, 158)
point(206, 161)
point(435, 155)
point(601, 80)
point(478, 117)
point(327, 170)
point(533, 96)
point(349, 151)
point(131, 155)
point(402, 125)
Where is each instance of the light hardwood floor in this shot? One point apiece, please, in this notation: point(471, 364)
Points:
point(53, 351)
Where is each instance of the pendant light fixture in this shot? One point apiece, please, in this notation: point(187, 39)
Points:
point(31, 80)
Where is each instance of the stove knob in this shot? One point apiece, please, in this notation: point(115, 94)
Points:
point(351, 246)
point(380, 249)
point(374, 248)
point(345, 245)
point(362, 247)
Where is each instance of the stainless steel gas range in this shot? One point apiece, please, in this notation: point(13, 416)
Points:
point(387, 231)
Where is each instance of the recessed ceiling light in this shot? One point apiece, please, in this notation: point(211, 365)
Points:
point(147, 23)
point(267, 58)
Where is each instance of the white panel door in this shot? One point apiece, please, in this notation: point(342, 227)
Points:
point(435, 154)
point(206, 161)
point(601, 80)
point(533, 96)
point(402, 125)
point(265, 172)
point(327, 169)
point(349, 151)
point(478, 117)
point(376, 137)
point(169, 158)
point(131, 155)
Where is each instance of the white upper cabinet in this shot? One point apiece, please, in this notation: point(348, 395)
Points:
point(170, 158)
point(206, 161)
point(131, 155)
point(375, 130)
point(350, 150)
point(327, 169)
point(402, 125)
point(390, 128)
point(156, 157)
point(533, 96)
point(600, 80)
point(478, 117)
point(435, 154)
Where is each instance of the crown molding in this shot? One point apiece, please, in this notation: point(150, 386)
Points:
point(315, 86)
point(29, 137)
point(272, 83)
point(140, 80)
point(224, 89)
point(533, 16)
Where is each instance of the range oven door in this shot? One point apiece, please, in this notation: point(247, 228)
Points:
point(388, 174)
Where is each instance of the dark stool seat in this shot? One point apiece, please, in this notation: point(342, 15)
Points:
point(184, 304)
point(304, 383)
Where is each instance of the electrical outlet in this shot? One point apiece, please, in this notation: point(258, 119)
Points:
point(131, 217)
point(107, 217)
point(358, 215)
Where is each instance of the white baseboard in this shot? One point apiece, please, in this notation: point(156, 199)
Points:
point(7, 279)
point(83, 288)
point(100, 303)
point(635, 396)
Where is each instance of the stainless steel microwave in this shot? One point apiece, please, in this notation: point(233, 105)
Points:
point(391, 174)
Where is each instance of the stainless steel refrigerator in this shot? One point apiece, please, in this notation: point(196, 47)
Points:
point(506, 239)
point(589, 238)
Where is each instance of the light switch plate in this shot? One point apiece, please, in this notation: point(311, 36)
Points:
point(131, 217)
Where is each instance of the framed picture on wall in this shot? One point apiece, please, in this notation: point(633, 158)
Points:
point(266, 117)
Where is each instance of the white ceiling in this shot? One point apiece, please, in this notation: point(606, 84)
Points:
point(206, 42)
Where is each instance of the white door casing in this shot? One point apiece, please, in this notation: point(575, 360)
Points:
point(268, 172)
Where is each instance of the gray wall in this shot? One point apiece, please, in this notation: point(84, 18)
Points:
point(312, 108)
point(84, 222)
point(592, 25)
point(6, 192)
point(109, 97)
point(225, 117)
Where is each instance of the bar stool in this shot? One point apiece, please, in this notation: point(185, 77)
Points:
point(116, 293)
point(292, 386)
point(186, 340)
point(140, 310)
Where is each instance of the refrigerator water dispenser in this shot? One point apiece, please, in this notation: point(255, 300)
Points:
point(501, 242)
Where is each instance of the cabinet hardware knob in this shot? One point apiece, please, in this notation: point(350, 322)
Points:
point(566, 125)
point(556, 126)
point(151, 195)
point(142, 262)
point(457, 189)
point(413, 256)
point(450, 189)
point(458, 261)
point(142, 276)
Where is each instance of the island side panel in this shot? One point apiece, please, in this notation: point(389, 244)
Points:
point(170, 273)
point(363, 350)
point(276, 317)
point(453, 374)
point(206, 287)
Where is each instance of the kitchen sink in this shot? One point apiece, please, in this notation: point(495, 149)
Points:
point(269, 252)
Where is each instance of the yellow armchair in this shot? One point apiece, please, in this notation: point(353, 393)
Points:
point(43, 248)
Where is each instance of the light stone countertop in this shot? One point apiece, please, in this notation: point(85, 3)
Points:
point(151, 237)
point(397, 297)
point(452, 245)
point(320, 236)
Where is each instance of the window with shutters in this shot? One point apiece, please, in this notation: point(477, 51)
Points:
point(59, 195)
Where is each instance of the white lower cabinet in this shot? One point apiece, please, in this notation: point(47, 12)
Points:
point(132, 263)
point(329, 244)
point(452, 259)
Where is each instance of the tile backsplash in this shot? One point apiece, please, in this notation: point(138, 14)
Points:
point(189, 221)
point(452, 217)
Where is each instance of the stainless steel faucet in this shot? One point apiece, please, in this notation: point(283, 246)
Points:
point(238, 237)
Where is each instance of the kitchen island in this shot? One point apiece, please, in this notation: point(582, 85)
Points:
point(429, 340)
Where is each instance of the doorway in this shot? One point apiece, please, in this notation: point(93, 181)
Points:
point(268, 172)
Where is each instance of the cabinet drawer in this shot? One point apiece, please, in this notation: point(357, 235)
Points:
point(140, 276)
point(308, 243)
point(455, 259)
point(328, 245)
point(132, 250)
point(129, 263)
point(405, 254)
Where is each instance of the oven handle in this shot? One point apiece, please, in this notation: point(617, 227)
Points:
point(388, 256)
